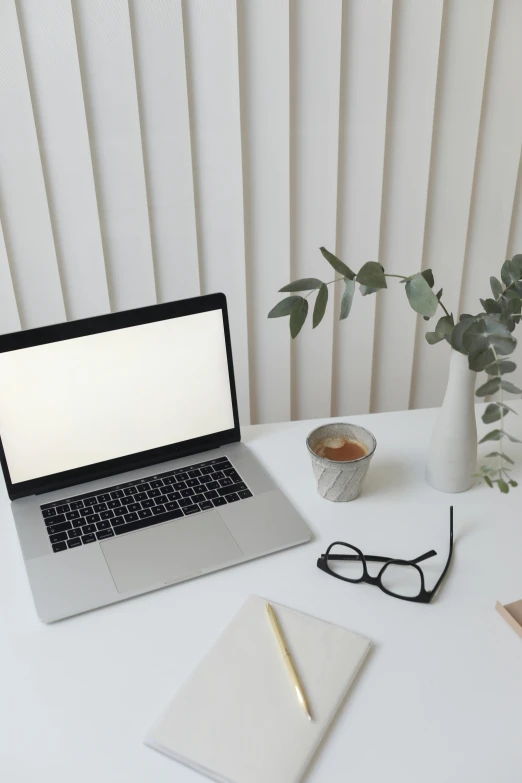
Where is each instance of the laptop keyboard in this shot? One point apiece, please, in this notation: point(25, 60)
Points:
point(113, 511)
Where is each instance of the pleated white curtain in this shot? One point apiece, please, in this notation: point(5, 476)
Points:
point(156, 149)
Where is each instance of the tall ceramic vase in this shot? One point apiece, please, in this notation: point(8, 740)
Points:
point(452, 457)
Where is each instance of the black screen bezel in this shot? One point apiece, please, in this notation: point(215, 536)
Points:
point(106, 323)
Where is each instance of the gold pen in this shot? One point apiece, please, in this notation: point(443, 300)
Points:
point(288, 660)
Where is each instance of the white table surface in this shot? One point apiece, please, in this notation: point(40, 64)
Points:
point(439, 699)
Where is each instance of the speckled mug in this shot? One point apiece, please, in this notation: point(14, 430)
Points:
point(340, 481)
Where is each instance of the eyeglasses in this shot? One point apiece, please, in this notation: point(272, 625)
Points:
point(398, 578)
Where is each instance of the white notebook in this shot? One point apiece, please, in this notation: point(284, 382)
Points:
point(237, 718)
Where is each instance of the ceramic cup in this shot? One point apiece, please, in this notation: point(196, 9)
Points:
point(340, 481)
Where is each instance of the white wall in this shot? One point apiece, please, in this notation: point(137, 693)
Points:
point(157, 149)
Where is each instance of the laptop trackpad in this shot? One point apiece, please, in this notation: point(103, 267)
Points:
point(157, 556)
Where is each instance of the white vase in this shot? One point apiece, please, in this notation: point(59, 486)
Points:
point(452, 458)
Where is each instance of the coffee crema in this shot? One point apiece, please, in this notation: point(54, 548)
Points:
point(340, 449)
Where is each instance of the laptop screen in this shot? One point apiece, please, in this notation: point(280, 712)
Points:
point(76, 402)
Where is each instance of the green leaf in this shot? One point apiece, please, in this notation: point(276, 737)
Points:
point(372, 274)
point(518, 260)
point(514, 483)
point(503, 487)
point(510, 387)
point(494, 412)
point(346, 301)
point(434, 337)
point(320, 306)
point(512, 438)
point(496, 287)
point(284, 307)
point(367, 289)
point(510, 272)
point(491, 306)
point(298, 316)
point(500, 368)
point(445, 325)
point(306, 284)
point(493, 435)
point(421, 297)
point(428, 276)
point(490, 387)
point(459, 331)
point(480, 356)
point(337, 264)
point(439, 294)
point(498, 454)
point(488, 481)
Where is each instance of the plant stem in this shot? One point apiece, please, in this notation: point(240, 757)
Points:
point(329, 283)
point(500, 401)
point(440, 302)
point(388, 274)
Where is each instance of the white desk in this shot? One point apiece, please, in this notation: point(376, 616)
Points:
point(439, 699)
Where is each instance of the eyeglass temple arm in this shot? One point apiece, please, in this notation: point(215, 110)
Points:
point(377, 559)
point(450, 553)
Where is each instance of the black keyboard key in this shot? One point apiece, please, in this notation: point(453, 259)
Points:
point(224, 464)
point(230, 488)
point(145, 513)
point(194, 473)
point(218, 474)
point(233, 476)
point(89, 501)
point(186, 493)
point(133, 507)
point(142, 487)
point(198, 498)
point(153, 493)
point(185, 502)
point(226, 482)
point(182, 476)
point(118, 521)
point(156, 483)
point(92, 518)
point(127, 499)
point(132, 517)
point(232, 497)
point(100, 507)
point(206, 505)
point(59, 547)
point(161, 499)
point(171, 505)
point(212, 484)
point(84, 512)
point(229, 471)
point(104, 525)
point(174, 495)
point(59, 528)
point(75, 532)
point(207, 469)
point(74, 542)
point(191, 510)
point(62, 509)
point(166, 517)
point(89, 529)
point(118, 493)
point(244, 493)
point(119, 512)
point(48, 512)
point(211, 494)
point(219, 502)
point(140, 496)
point(54, 539)
point(148, 503)
point(179, 485)
point(103, 498)
point(104, 534)
point(130, 491)
point(192, 482)
point(158, 510)
point(169, 479)
point(55, 520)
point(113, 504)
point(73, 515)
point(107, 514)
point(89, 538)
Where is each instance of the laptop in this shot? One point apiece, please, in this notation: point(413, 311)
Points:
point(122, 456)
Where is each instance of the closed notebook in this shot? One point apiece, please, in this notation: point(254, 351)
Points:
point(237, 718)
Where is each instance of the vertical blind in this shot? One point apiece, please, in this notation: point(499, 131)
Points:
point(152, 150)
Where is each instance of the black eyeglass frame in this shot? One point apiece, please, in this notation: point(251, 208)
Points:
point(424, 596)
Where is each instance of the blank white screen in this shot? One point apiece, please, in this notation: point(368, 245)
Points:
point(76, 402)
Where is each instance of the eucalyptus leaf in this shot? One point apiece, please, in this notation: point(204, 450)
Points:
point(479, 356)
point(503, 487)
point(514, 483)
point(421, 297)
point(512, 438)
point(493, 435)
point(510, 387)
point(346, 301)
point(494, 412)
point(298, 316)
point(320, 306)
point(284, 307)
point(496, 287)
point(491, 306)
point(510, 272)
point(490, 387)
point(337, 264)
point(518, 260)
point(305, 284)
point(488, 481)
point(371, 274)
point(512, 293)
point(498, 454)
point(501, 368)
point(434, 337)
point(367, 289)
point(459, 331)
point(428, 276)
